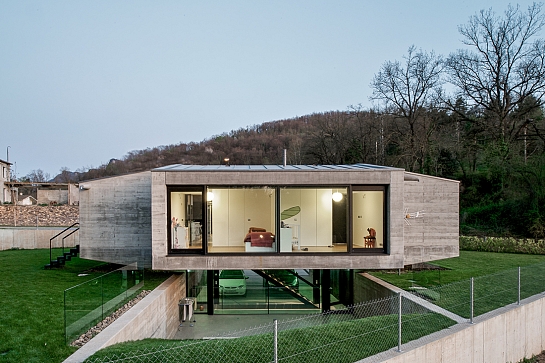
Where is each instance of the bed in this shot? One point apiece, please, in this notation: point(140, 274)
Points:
point(259, 240)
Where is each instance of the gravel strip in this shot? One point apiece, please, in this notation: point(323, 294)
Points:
point(84, 338)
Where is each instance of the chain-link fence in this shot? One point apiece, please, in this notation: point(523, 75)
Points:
point(92, 301)
point(344, 335)
point(349, 334)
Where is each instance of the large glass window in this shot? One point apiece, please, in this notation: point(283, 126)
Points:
point(186, 220)
point(265, 219)
point(368, 227)
point(241, 220)
point(313, 220)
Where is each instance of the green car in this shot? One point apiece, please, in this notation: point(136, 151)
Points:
point(287, 277)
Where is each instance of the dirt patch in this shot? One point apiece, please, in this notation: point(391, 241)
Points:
point(424, 266)
point(537, 359)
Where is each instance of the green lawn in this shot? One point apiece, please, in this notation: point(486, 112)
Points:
point(468, 264)
point(32, 313)
point(495, 280)
point(32, 305)
point(342, 342)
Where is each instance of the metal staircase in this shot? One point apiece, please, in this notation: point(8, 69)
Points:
point(277, 281)
point(66, 256)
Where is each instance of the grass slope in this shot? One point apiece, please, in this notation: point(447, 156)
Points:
point(32, 305)
point(468, 264)
point(342, 342)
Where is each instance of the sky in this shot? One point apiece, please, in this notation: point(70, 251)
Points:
point(82, 82)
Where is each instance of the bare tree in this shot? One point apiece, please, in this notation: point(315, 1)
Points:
point(407, 90)
point(503, 67)
point(37, 176)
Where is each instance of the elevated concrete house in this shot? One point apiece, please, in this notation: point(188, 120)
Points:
point(318, 219)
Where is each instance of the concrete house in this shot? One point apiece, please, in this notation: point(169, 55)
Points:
point(5, 177)
point(318, 224)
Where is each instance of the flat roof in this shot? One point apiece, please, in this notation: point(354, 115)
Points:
point(220, 168)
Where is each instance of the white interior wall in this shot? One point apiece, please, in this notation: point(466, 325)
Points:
point(307, 235)
point(236, 231)
point(234, 211)
point(368, 212)
point(315, 220)
point(177, 207)
point(257, 209)
point(220, 217)
point(324, 217)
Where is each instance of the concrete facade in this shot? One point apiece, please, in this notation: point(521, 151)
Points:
point(115, 219)
point(429, 236)
point(33, 238)
point(5, 176)
point(508, 334)
point(125, 219)
point(65, 194)
point(49, 196)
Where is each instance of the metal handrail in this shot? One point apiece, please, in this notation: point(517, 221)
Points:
point(68, 235)
point(55, 236)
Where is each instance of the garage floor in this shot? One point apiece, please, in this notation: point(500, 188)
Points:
point(205, 326)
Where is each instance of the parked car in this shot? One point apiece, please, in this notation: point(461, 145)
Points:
point(233, 282)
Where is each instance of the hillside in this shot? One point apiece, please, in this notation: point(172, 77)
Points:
point(502, 188)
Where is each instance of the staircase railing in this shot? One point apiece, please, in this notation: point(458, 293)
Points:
point(279, 283)
point(57, 235)
point(68, 235)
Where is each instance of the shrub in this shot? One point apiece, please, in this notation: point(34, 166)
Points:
point(503, 244)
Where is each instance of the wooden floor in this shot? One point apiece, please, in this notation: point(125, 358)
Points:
point(312, 249)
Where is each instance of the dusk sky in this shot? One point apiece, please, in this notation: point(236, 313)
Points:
point(82, 82)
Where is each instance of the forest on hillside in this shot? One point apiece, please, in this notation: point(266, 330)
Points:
point(475, 115)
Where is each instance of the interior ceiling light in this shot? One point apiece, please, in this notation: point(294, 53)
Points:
point(209, 196)
point(337, 197)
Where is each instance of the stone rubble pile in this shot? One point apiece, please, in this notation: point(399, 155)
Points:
point(86, 337)
point(36, 215)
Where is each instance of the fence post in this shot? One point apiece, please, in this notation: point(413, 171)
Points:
point(518, 300)
point(102, 296)
point(471, 301)
point(399, 322)
point(275, 341)
point(65, 335)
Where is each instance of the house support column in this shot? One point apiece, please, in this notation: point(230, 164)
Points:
point(326, 290)
point(212, 290)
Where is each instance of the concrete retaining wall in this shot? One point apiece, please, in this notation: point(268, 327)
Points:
point(508, 334)
point(155, 316)
point(33, 238)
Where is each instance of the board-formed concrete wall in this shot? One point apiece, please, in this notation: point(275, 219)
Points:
point(57, 196)
point(33, 238)
point(115, 219)
point(508, 334)
point(394, 178)
point(435, 233)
